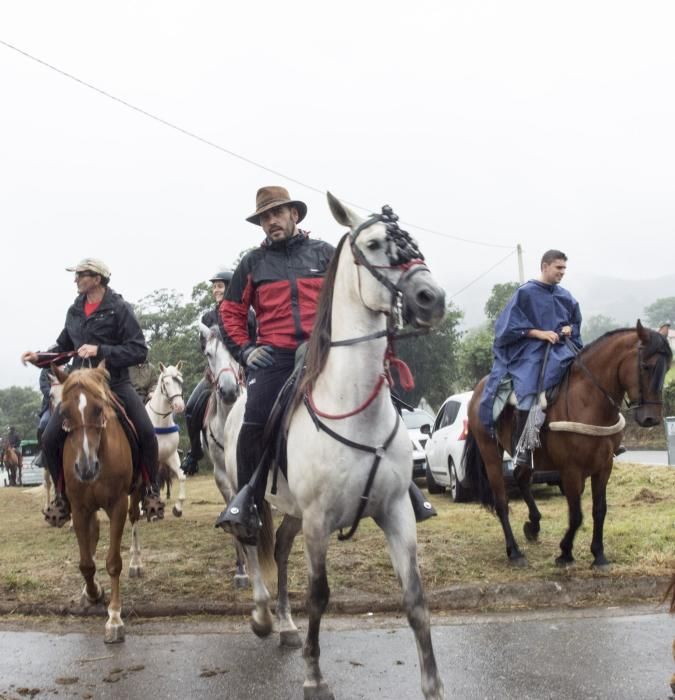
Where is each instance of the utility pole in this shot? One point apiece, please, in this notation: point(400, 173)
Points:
point(521, 274)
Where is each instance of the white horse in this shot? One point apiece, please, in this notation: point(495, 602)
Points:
point(165, 402)
point(362, 467)
point(225, 376)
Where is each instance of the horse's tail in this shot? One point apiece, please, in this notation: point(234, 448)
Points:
point(165, 478)
point(476, 474)
point(266, 544)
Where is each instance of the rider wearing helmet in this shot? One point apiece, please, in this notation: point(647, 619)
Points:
point(196, 405)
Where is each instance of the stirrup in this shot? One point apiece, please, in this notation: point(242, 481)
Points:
point(241, 517)
point(58, 511)
point(421, 506)
point(153, 505)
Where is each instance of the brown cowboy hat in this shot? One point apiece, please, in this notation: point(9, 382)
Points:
point(274, 196)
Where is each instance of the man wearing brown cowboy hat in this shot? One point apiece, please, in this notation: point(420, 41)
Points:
point(281, 280)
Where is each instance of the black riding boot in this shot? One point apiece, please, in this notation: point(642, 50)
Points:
point(241, 517)
point(524, 457)
point(422, 508)
point(194, 419)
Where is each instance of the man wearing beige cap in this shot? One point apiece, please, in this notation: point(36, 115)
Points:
point(100, 325)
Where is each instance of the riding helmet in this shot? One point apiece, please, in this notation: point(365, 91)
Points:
point(222, 276)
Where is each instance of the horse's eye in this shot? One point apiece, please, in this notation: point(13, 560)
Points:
point(373, 245)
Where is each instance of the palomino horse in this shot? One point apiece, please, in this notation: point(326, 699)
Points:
point(224, 374)
point(583, 428)
point(167, 400)
point(11, 459)
point(98, 472)
point(361, 465)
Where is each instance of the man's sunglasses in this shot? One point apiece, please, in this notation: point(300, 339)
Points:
point(85, 274)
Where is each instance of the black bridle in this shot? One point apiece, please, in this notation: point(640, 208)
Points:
point(165, 393)
point(630, 405)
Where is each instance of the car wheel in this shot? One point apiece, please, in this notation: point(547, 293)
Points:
point(457, 492)
point(432, 485)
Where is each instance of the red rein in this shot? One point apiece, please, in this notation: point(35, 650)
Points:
point(390, 360)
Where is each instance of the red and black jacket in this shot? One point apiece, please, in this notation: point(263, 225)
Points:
point(281, 281)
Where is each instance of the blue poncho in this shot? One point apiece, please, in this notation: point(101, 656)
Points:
point(535, 305)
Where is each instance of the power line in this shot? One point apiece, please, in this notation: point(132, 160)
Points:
point(497, 264)
point(229, 152)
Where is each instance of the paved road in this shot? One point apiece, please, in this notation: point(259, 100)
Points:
point(610, 653)
point(644, 457)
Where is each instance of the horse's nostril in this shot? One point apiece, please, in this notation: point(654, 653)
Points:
point(425, 298)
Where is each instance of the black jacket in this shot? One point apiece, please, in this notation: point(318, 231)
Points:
point(113, 327)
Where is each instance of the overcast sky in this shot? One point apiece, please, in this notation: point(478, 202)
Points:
point(547, 124)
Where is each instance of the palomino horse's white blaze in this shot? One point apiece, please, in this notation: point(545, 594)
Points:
point(167, 400)
point(224, 373)
point(326, 478)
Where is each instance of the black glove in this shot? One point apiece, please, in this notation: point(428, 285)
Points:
point(258, 356)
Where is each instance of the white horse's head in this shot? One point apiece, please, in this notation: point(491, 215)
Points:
point(170, 385)
point(223, 370)
point(390, 267)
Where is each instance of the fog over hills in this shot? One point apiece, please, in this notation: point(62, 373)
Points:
point(620, 299)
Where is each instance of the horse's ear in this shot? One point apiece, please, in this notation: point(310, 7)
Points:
point(342, 214)
point(161, 367)
point(179, 365)
point(60, 375)
point(643, 334)
point(204, 331)
point(52, 379)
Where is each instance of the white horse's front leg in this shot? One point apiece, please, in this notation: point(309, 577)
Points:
point(135, 564)
point(288, 632)
point(174, 464)
point(261, 619)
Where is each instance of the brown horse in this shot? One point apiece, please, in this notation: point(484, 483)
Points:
point(98, 473)
point(11, 459)
point(583, 428)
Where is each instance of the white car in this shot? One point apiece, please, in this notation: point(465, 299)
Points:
point(31, 474)
point(413, 421)
point(445, 448)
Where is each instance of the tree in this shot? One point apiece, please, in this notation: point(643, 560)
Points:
point(19, 407)
point(475, 356)
point(596, 326)
point(499, 297)
point(660, 311)
point(432, 360)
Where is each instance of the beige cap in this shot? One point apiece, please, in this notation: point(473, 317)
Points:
point(98, 267)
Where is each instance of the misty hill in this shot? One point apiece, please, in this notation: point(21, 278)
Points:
point(622, 300)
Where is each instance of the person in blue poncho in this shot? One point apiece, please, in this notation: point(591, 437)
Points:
point(540, 313)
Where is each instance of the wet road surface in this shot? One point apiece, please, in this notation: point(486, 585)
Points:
point(608, 653)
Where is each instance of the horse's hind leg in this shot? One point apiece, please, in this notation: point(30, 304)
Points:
point(288, 632)
point(86, 530)
point(240, 575)
point(573, 488)
point(114, 627)
point(599, 490)
point(135, 561)
point(316, 545)
point(174, 464)
point(399, 529)
point(261, 619)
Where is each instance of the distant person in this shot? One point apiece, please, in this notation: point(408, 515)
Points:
point(196, 405)
point(99, 326)
point(539, 314)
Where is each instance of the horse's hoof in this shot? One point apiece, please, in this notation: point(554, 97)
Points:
point(565, 562)
point(114, 634)
point(290, 639)
point(87, 602)
point(602, 567)
point(261, 629)
point(177, 513)
point(135, 571)
point(241, 581)
point(318, 692)
point(531, 532)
